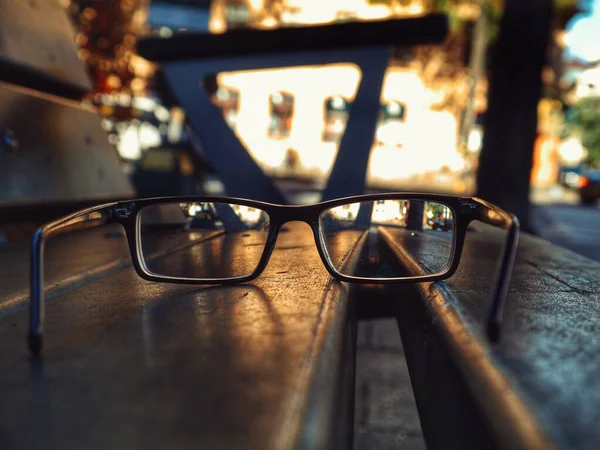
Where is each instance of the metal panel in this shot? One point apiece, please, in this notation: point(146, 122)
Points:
point(349, 172)
point(51, 151)
point(37, 34)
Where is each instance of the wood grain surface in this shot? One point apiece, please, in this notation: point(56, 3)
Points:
point(131, 364)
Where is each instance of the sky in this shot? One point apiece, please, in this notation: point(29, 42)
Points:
point(583, 34)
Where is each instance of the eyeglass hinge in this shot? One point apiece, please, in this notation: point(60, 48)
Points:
point(468, 206)
point(122, 212)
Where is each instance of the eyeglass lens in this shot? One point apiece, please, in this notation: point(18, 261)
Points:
point(392, 238)
point(379, 239)
point(202, 239)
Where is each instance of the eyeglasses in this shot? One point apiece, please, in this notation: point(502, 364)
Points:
point(382, 238)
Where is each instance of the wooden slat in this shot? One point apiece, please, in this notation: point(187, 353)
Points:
point(60, 153)
point(537, 388)
point(131, 364)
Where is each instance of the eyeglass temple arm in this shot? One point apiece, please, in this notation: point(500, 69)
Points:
point(492, 215)
point(80, 220)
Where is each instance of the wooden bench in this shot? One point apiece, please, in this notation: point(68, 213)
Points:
point(130, 363)
point(538, 387)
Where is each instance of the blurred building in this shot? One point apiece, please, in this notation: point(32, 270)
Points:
point(292, 119)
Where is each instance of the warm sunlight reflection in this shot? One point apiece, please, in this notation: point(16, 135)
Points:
point(345, 212)
point(229, 14)
point(291, 121)
point(424, 141)
point(307, 88)
point(390, 211)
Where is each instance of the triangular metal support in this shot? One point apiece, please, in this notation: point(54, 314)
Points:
point(233, 164)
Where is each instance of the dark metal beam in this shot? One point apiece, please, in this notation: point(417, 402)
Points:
point(349, 172)
point(232, 162)
point(188, 58)
point(185, 46)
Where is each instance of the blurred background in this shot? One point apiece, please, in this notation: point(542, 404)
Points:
point(430, 130)
point(291, 119)
point(506, 107)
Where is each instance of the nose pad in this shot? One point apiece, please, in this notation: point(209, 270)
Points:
point(294, 233)
point(292, 236)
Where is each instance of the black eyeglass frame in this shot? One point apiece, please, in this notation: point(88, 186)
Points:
point(126, 213)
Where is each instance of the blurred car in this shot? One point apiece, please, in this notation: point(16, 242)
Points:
point(568, 176)
point(588, 186)
point(440, 224)
point(585, 181)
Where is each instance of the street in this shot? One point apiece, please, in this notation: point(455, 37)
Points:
point(571, 226)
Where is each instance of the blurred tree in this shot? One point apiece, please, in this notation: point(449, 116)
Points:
point(584, 118)
point(511, 119)
point(107, 33)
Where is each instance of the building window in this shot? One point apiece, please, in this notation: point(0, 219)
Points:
point(337, 110)
point(392, 110)
point(228, 100)
point(281, 109)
